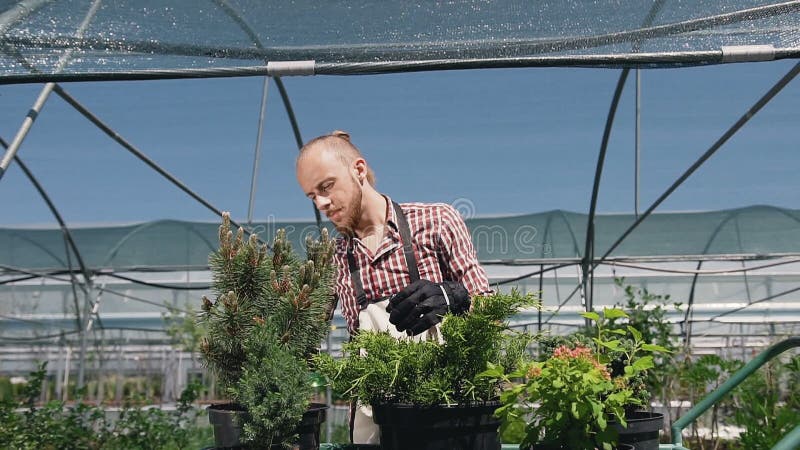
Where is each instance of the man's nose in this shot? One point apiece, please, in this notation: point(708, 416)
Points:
point(322, 202)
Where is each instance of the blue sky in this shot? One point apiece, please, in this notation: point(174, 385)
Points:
point(500, 141)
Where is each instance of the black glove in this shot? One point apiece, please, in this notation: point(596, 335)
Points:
point(421, 304)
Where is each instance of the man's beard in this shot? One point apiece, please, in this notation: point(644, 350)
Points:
point(349, 222)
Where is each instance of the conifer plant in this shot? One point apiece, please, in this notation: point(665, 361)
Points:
point(271, 311)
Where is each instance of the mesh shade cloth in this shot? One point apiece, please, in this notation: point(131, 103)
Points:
point(553, 235)
point(161, 39)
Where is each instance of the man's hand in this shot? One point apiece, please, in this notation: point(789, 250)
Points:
point(421, 304)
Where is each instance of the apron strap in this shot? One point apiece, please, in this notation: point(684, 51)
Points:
point(355, 276)
point(408, 253)
point(408, 245)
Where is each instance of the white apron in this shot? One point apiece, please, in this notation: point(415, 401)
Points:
point(373, 317)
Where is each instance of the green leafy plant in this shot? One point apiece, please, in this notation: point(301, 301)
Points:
point(270, 315)
point(569, 396)
point(79, 426)
point(377, 368)
point(647, 312)
point(767, 404)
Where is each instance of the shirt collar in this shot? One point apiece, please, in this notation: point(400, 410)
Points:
point(391, 216)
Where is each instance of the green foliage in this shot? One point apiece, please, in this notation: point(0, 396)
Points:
point(378, 368)
point(270, 314)
point(767, 404)
point(57, 426)
point(183, 328)
point(275, 389)
point(647, 312)
point(575, 387)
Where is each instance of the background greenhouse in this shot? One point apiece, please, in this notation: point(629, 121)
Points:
point(105, 302)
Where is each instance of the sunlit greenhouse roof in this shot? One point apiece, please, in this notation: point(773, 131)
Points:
point(85, 40)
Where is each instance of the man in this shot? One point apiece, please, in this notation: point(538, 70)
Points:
point(400, 267)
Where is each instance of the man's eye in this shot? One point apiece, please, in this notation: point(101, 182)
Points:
point(326, 187)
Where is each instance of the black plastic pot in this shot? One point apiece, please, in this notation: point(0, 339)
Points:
point(642, 430)
point(460, 427)
point(227, 419)
point(308, 429)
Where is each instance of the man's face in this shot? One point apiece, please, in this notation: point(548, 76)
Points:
point(332, 186)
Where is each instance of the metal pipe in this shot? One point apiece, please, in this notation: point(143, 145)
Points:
point(710, 152)
point(68, 241)
point(33, 113)
point(296, 130)
point(27, 123)
point(616, 60)
point(257, 153)
point(789, 442)
point(539, 310)
point(588, 254)
point(18, 12)
point(637, 143)
point(135, 151)
point(237, 17)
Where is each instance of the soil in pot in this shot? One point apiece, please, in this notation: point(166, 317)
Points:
point(227, 418)
point(642, 431)
point(459, 427)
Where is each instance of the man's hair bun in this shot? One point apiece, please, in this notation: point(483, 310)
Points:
point(341, 134)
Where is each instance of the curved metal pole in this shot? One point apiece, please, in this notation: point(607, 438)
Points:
point(139, 228)
point(251, 34)
point(136, 152)
point(789, 442)
point(731, 216)
point(37, 244)
point(18, 12)
point(296, 130)
point(690, 303)
point(710, 152)
point(33, 113)
point(588, 254)
point(10, 154)
point(66, 234)
point(237, 17)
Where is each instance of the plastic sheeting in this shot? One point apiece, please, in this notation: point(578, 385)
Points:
point(69, 40)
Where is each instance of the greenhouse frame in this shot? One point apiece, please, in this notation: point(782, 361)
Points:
point(67, 290)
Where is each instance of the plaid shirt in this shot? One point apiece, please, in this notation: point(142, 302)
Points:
point(442, 245)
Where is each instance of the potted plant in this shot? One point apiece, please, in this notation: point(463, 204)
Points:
point(583, 392)
point(425, 394)
point(271, 312)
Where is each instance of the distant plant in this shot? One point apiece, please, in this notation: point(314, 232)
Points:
point(696, 377)
point(647, 313)
point(767, 404)
point(183, 328)
point(56, 425)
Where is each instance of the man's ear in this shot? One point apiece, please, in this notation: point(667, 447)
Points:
point(360, 169)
